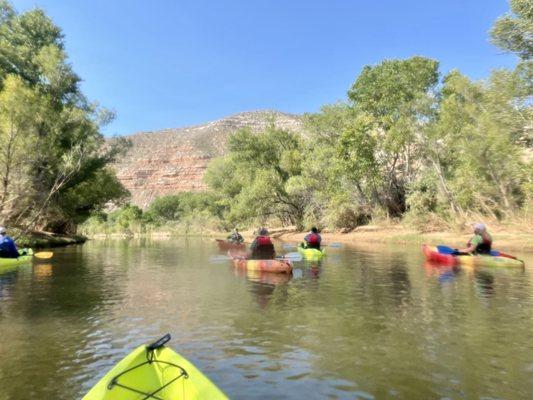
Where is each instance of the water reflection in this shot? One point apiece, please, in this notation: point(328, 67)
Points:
point(262, 284)
point(483, 278)
point(42, 271)
point(484, 282)
point(445, 273)
point(368, 322)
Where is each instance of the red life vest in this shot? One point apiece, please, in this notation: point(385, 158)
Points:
point(264, 241)
point(264, 249)
point(313, 239)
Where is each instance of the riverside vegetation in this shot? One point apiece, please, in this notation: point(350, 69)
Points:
point(408, 144)
point(53, 158)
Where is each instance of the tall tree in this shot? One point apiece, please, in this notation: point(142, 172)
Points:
point(50, 132)
point(513, 32)
point(255, 176)
point(393, 101)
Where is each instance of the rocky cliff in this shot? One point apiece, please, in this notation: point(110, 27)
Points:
point(174, 160)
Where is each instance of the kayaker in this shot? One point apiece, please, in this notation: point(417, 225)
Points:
point(480, 243)
point(8, 249)
point(262, 247)
point(313, 239)
point(235, 237)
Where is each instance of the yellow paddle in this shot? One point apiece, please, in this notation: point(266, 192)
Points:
point(44, 255)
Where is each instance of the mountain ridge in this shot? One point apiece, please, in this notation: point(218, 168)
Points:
point(174, 160)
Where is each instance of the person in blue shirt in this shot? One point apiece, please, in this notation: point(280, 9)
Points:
point(8, 249)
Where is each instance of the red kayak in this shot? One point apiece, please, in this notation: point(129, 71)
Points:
point(432, 254)
point(225, 245)
point(443, 255)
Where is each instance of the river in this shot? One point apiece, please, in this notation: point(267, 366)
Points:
point(366, 322)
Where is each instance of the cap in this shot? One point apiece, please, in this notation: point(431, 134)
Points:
point(2, 230)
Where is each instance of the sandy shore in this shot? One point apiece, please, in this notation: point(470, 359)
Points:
point(503, 239)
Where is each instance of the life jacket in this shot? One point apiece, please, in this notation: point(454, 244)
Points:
point(264, 249)
point(485, 246)
point(313, 241)
point(264, 241)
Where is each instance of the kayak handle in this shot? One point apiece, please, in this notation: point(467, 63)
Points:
point(158, 343)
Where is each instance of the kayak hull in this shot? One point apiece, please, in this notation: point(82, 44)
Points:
point(225, 245)
point(489, 261)
point(24, 259)
point(276, 266)
point(311, 254)
point(432, 254)
point(150, 377)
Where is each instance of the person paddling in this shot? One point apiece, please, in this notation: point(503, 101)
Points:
point(8, 249)
point(262, 247)
point(480, 243)
point(313, 239)
point(235, 237)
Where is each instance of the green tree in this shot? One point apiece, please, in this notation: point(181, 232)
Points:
point(53, 148)
point(166, 208)
point(393, 101)
point(513, 32)
point(254, 178)
point(474, 148)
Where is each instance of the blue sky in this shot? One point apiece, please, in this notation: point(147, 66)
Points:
point(164, 63)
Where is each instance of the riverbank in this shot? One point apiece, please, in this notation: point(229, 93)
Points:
point(39, 240)
point(505, 238)
point(396, 234)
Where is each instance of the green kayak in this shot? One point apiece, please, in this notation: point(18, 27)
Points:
point(311, 254)
point(25, 258)
point(154, 372)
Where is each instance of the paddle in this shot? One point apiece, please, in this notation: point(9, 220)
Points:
point(294, 246)
point(445, 250)
point(220, 258)
point(43, 255)
point(495, 253)
point(288, 246)
point(289, 256)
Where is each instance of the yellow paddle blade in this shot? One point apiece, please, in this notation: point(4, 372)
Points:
point(45, 255)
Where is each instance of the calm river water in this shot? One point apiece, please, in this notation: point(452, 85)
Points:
point(369, 323)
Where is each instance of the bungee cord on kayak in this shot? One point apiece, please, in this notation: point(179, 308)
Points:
point(155, 372)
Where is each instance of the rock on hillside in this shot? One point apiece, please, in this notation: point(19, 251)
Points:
point(174, 160)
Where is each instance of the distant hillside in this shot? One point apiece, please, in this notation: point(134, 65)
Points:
point(174, 160)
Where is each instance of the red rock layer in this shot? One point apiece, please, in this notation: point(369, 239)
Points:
point(174, 160)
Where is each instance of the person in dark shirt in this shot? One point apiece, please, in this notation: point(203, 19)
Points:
point(235, 237)
point(8, 249)
point(313, 239)
point(262, 247)
point(480, 243)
